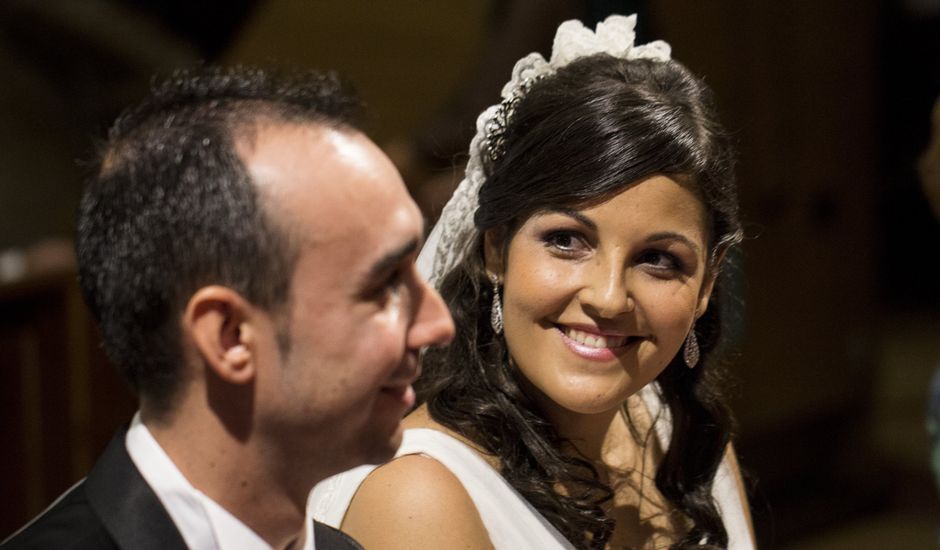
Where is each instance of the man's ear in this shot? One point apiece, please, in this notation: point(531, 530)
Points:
point(493, 248)
point(217, 321)
point(711, 274)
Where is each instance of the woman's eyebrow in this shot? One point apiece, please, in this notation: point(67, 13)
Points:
point(673, 236)
point(659, 236)
point(572, 213)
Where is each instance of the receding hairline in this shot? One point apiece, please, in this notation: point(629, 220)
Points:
point(236, 118)
point(244, 134)
point(245, 144)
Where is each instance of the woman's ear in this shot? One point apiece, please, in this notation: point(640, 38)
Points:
point(218, 322)
point(705, 295)
point(493, 249)
point(708, 285)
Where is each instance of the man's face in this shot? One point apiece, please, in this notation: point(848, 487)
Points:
point(359, 311)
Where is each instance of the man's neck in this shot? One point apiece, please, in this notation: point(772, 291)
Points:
point(233, 473)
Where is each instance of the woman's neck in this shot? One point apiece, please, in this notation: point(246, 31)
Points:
point(607, 439)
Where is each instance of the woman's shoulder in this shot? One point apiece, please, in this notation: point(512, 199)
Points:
point(420, 419)
point(414, 501)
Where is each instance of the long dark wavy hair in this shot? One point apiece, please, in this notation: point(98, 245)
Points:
point(576, 139)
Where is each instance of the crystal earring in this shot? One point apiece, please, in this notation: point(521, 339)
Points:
point(690, 353)
point(496, 309)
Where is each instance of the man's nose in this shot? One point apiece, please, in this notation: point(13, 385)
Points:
point(607, 292)
point(433, 324)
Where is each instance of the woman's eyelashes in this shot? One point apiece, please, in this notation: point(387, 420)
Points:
point(661, 263)
point(578, 243)
point(566, 242)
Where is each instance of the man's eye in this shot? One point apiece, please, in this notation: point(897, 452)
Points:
point(387, 287)
point(394, 281)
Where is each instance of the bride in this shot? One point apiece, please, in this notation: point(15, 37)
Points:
point(581, 259)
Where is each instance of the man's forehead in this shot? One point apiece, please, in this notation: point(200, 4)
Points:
point(287, 160)
point(269, 147)
point(331, 184)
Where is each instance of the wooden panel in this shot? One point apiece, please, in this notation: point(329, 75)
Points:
point(796, 84)
point(60, 400)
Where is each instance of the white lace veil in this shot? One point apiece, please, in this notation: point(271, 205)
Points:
point(455, 233)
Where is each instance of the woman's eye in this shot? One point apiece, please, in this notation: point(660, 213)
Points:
point(565, 241)
point(660, 260)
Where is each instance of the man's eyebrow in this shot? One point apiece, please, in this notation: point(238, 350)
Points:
point(673, 236)
point(572, 213)
point(393, 258)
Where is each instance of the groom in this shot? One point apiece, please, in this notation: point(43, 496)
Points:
point(249, 257)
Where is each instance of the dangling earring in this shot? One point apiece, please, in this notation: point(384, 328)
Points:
point(496, 310)
point(690, 353)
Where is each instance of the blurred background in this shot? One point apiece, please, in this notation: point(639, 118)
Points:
point(830, 103)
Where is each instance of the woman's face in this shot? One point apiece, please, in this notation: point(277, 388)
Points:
point(597, 301)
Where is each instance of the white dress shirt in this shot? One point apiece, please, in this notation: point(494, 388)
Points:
point(202, 522)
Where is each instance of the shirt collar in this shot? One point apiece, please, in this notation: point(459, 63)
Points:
point(203, 523)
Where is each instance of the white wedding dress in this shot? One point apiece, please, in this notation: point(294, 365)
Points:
point(512, 523)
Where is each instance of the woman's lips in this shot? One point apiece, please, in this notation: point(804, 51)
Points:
point(594, 346)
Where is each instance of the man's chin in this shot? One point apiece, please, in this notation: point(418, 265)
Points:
point(385, 452)
point(375, 448)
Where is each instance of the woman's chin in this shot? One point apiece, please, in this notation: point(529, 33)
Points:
point(588, 405)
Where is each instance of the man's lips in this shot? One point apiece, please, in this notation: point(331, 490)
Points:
point(399, 385)
point(405, 394)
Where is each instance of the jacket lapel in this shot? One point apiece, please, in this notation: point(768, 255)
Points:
point(328, 538)
point(127, 506)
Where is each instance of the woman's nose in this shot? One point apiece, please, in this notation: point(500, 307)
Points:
point(607, 292)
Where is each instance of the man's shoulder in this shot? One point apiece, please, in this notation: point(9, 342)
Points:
point(329, 538)
point(69, 523)
point(112, 508)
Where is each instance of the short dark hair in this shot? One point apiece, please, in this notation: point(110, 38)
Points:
point(171, 208)
point(576, 139)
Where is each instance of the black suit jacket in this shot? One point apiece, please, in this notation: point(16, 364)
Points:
point(114, 508)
